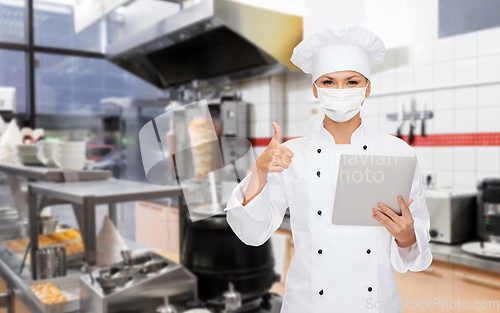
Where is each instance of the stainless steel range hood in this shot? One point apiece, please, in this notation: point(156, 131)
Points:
point(214, 39)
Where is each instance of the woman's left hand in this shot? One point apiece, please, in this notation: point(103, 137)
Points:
point(401, 227)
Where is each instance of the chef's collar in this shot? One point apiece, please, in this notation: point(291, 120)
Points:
point(356, 137)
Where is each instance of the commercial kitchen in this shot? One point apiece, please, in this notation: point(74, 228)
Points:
point(126, 125)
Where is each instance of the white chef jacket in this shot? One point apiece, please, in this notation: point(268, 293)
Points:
point(336, 268)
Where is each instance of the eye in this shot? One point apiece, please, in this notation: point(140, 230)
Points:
point(352, 81)
point(327, 82)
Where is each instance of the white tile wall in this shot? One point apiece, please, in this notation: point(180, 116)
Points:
point(465, 97)
point(458, 77)
point(424, 76)
point(488, 67)
point(488, 95)
point(465, 70)
point(444, 50)
point(465, 180)
point(466, 45)
point(488, 41)
point(465, 121)
point(424, 53)
point(444, 73)
point(464, 158)
point(444, 178)
point(444, 99)
point(488, 119)
point(488, 159)
point(443, 121)
point(442, 158)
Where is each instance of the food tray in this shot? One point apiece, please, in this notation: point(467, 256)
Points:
point(56, 244)
point(69, 286)
point(69, 257)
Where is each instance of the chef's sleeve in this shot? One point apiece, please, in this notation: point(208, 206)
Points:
point(255, 222)
point(418, 256)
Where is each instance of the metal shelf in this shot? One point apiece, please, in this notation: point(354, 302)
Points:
point(84, 196)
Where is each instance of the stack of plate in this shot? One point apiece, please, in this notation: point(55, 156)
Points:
point(70, 155)
point(28, 154)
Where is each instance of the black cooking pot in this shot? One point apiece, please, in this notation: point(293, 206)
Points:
point(217, 256)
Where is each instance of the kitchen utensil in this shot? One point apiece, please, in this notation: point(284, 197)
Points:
point(232, 298)
point(153, 267)
point(128, 290)
point(400, 117)
point(51, 262)
point(107, 284)
point(47, 224)
point(127, 257)
point(251, 269)
point(422, 117)
point(491, 250)
point(412, 122)
point(86, 268)
point(452, 214)
point(171, 145)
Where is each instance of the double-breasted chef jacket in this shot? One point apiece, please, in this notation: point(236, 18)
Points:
point(336, 268)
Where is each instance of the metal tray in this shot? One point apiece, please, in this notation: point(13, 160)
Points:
point(491, 250)
point(69, 257)
point(69, 286)
point(57, 244)
point(79, 256)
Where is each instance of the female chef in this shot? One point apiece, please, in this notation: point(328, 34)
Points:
point(336, 268)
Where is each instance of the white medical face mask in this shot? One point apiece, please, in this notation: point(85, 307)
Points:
point(341, 105)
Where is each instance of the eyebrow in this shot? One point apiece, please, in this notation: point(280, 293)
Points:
point(355, 76)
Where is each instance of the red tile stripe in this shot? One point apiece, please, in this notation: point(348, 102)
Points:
point(435, 140)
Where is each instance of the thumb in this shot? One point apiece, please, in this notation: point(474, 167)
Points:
point(277, 132)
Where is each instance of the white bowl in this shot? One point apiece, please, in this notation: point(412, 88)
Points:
point(70, 151)
point(72, 145)
point(69, 162)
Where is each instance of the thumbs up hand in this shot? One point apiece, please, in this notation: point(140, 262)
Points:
point(276, 158)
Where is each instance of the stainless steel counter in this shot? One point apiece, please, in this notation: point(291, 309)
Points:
point(19, 283)
point(447, 253)
point(84, 196)
point(454, 254)
point(41, 173)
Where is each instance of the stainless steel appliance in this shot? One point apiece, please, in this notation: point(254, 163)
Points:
point(140, 287)
point(452, 215)
point(213, 39)
point(489, 210)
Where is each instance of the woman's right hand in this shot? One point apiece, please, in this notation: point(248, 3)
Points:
point(276, 157)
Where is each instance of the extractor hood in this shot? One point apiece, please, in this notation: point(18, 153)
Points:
point(212, 39)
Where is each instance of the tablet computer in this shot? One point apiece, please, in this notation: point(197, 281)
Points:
point(364, 180)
